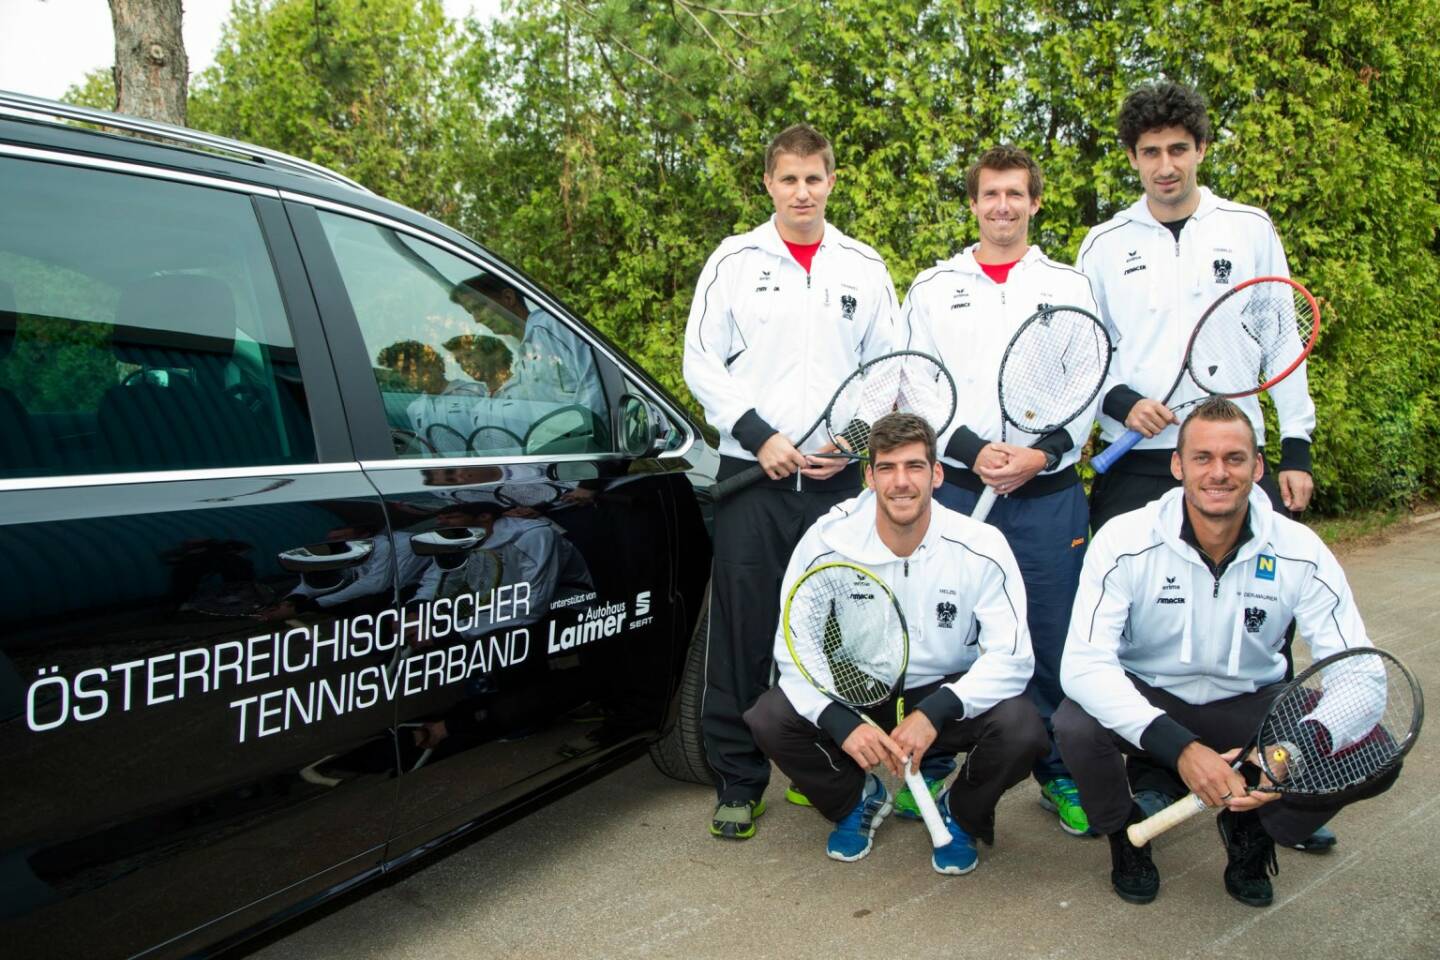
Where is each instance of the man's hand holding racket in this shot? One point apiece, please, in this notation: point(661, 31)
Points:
point(869, 747)
point(779, 458)
point(1007, 467)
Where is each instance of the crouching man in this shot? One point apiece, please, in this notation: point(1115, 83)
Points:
point(1175, 651)
point(970, 658)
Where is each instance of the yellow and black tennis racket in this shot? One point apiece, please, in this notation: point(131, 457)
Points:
point(847, 635)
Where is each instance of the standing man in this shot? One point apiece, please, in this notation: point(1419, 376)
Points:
point(961, 594)
point(781, 316)
point(1155, 267)
point(1174, 651)
point(964, 311)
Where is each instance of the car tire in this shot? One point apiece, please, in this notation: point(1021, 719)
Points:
point(680, 752)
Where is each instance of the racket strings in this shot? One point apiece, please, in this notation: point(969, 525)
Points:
point(1341, 727)
point(903, 384)
point(1053, 370)
point(846, 635)
point(1250, 337)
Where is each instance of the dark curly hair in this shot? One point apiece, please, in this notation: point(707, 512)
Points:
point(1158, 105)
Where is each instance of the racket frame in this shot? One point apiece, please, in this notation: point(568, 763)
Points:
point(1144, 831)
point(939, 833)
point(988, 495)
point(750, 475)
point(1104, 460)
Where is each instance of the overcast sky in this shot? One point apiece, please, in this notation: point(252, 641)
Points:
point(48, 45)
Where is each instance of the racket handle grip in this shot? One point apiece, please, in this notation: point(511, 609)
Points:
point(1106, 458)
point(734, 484)
point(1172, 816)
point(939, 833)
point(983, 505)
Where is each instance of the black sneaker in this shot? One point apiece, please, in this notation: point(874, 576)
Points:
point(1132, 873)
point(1252, 858)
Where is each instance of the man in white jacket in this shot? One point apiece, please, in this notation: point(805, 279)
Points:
point(1175, 650)
point(970, 659)
point(965, 311)
point(1155, 266)
point(781, 316)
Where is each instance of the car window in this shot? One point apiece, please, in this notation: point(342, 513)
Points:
point(141, 328)
point(466, 362)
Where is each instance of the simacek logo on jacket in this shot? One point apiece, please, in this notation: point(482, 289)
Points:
point(961, 300)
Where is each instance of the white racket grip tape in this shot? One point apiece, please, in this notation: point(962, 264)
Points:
point(1177, 813)
point(939, 833)
point(983, 505)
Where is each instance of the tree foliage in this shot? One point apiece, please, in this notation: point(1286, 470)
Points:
point(607, 146)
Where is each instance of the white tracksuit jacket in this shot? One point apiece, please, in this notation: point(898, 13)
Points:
point(959, 315)
point(963, 600)
point(1152, 290)
point(769, 340)
point(1149, 606)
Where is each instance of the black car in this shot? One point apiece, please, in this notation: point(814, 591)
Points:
point(326, 537)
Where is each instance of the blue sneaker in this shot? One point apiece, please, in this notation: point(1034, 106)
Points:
point(959, 855)
point(850, 840)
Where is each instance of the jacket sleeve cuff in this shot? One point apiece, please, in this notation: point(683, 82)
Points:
point(1165, 738)
point(1295, 454)
point(965, 445)
point(1118, 402)
point(941, 706)
point(1055, 444)
point(838, 723)
point(751, 432)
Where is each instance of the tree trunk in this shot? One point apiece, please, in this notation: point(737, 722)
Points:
point(152, 73)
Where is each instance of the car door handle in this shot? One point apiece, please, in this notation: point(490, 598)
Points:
point(327, 556)
point(448, 540)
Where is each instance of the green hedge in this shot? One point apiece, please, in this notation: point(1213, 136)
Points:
point(608, 146)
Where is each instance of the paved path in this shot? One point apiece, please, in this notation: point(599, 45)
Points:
point(624, 868)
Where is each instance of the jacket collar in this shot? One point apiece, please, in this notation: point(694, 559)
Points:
point(965, 261)
point(849, 530)
point(1139, 211)
point(767, 235)
point(1172, 524)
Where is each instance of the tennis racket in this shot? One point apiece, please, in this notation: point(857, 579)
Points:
point(1335, 730)
point(445, 440)
point(1050, 373)
point(906, 381)
point(535, 495)
point(847, 635)
point(490, 440)
point(1250, 339)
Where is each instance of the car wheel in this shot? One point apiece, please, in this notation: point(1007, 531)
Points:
point(680, 753)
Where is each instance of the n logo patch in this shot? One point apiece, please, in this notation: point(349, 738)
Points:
point(1264, 567)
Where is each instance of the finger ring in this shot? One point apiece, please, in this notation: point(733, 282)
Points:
point(1227, 796)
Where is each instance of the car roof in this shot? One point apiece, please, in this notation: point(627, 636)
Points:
point(47, 124)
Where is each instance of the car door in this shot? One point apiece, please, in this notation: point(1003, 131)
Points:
point(539, 612)
point(196, 577)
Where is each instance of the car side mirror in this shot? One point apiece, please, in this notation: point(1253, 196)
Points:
point(644, 431)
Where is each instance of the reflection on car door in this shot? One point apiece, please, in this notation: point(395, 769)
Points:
point(544, 591)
